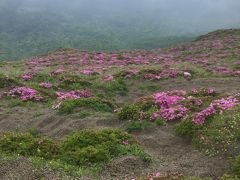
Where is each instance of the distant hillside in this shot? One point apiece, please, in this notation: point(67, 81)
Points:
point(29, 28)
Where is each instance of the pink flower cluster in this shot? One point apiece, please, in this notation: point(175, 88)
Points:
point(164, 74)
point(173, 113)
point(125, 142)
point(224, 70)
point(221, 104)
point(108, 78)
point(167, 104)
point(203, 91)
point(26, 77)
point(88, 72)
point(25, 94)
point(194, 101)
point(73, 94)
point(164, 100)
point(152, 76)
point(199, 119)
point(58, 71)
point(225, 104)
point(46, 85)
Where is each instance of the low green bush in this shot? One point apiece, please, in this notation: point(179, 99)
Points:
point(28, 145)
point(136, 125)
point(187, 128)
point(235, 166)
point(7, 81)
point(129, 112)
point(85, 148)
point(97, 104)
point(89, 146)
point(118, 86)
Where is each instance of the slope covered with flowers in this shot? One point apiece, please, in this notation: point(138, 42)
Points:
point(162, 96)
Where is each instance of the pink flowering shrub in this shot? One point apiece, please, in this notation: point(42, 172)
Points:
point(25, 94)
point(199, 119)
point(58, 71)
point(173, 113)
point(162, 75)
point(215, 106)
point(88, 72)
point(108, 78)
point(46, 85)
point(152, 76)
point(164, 100)
point(169, 110)
point(73, 94)
point(227, 103)
point(194, 101)
point(155, 116)
point(203, 92)
point(26, 77)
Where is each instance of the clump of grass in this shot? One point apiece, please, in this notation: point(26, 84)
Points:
point(7, 81)
point(136, 125)
point(112, 88)
point(235, 166)
point(92, 147)
point(44, 77)
point(74, 82)
point(97, 104)
point(84, 114)
point(129, 112)
point(160, 122)
point(141, 110)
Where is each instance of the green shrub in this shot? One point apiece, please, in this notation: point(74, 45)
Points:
point(129, 112)
point(28, 145)
point(229, 177)
point(7, 81)
point(87, 155)
point(91, 147)
point(44, 77)
point(235, 166)
point(160, 122)
point(133, 150)
point(79, 153)
point(137, 125)
point(84, 114)
point(97, 104)
point(117, 86)
point(147, 104)
point(73, 82)
point(187, 128)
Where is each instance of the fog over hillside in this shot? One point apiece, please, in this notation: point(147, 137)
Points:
point(32, 27)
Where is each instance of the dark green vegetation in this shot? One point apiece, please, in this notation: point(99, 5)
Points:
point(87, 148)
point(93, 103)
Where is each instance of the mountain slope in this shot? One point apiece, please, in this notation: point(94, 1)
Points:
point(140, 91)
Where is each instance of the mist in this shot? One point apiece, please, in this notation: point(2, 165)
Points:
point(32, 27)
